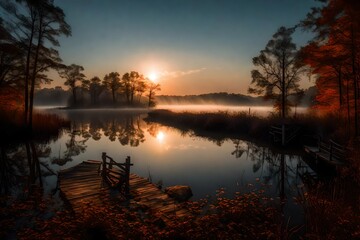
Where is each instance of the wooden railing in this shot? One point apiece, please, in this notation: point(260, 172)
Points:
point(333, 150)
point(116, 174)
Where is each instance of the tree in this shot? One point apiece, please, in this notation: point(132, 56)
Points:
point(73, 74)
point(152, 89)
point(112, 83)
point(95, 89)
point(336, 27)
point(36, 24)
point(140, 87)
point(85, 88)
point(133, 83)
point(279, 69)
point(10, 55)
point(126, 86)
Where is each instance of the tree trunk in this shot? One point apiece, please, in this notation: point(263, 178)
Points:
point(150, 96)
point(283, 91)
point(113, 95)
point(33, 78)
point(348, 107)
point(354, 73)
point(27, 73)
point(340, 88)
point(74, 94)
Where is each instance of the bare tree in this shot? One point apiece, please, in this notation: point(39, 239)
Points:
point(152, 89)
point(279, 70)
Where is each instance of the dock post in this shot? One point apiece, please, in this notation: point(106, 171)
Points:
point(103, 173)
point(127, 175)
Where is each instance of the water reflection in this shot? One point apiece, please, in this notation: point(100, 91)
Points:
point(167, 155)
point(21, 168)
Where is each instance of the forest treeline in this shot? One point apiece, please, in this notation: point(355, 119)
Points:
point(131, 89)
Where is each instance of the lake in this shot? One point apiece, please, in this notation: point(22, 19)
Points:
point(169, 157)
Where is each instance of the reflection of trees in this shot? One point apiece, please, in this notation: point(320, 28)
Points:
point(75, 146)
point(278, 167)
point(11, 169)
point(239, 148)
point(126, 127)
point(21, 166)
point(131, 134)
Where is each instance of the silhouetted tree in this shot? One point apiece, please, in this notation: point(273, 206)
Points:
point(37, 25)
point(112, 83)
point(84, 88)
point(73, 74)
point(152, 89)
point(126, 86)
point(133, 83)
point(280, 67)
point(95, 89)
point(140, 87)
point(10, 56)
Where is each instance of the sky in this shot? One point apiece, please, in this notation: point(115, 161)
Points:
point(191, 46)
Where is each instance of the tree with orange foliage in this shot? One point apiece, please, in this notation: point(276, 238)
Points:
point(334, 55)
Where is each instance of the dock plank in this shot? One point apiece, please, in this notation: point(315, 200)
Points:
point(83, 183)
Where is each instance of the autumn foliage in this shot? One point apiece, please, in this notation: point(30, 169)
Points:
point(334, 58)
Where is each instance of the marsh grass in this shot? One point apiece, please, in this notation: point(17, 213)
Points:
point(251, 127)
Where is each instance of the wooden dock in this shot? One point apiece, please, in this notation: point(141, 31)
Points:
point(84, 183)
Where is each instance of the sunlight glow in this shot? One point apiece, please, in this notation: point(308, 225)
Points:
point(160, 137)
point(153, 77)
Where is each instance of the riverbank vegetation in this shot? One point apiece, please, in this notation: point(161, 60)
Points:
point(248, 126)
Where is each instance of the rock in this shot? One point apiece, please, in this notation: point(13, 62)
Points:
point(179, 193)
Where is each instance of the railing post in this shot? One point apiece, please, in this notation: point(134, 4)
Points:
point(103, 173)
point(331, 150)
point(127, 175)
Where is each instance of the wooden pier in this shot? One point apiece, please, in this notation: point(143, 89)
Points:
point(92, 183)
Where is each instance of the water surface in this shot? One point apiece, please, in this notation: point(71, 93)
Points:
point(169, 157)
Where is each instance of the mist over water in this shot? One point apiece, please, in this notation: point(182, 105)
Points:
point(199, 108)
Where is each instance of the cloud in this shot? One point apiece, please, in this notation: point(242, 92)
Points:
point(176, 74)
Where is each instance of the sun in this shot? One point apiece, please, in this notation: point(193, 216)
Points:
point(153, 77)
point(160, 136)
